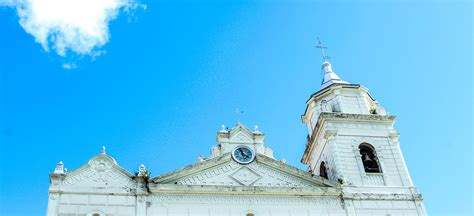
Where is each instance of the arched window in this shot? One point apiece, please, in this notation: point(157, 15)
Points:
point(96, 214)
point(369, 158)
point(250, 214)
point(323, 171)
point(325, 107)
point(335, 107)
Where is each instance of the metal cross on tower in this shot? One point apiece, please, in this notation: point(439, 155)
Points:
point(238, 113)
point(322, 48)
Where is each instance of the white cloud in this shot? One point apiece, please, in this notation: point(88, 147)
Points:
point(69, 66)
point(79, 26)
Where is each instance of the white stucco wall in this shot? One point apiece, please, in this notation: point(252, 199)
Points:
point(218, 185)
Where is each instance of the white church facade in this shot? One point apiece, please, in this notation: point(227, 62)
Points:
point(355, 167)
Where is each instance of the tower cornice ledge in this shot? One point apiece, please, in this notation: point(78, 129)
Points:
point(383, 196)
point(324, 116)
point(333, 87)
point(362, 117)
point(330, 89)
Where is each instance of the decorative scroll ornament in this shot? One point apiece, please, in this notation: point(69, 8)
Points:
point(102, 166)
point(100, 172)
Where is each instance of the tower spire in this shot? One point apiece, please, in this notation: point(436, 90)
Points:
point(330, 76)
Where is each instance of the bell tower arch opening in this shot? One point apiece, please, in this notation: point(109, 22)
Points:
point(323, 170)
point(369, 158)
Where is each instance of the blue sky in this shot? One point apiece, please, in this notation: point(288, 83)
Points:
point(171, 74)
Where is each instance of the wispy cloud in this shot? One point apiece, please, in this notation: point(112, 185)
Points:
point(69, 66)
point(78, 26)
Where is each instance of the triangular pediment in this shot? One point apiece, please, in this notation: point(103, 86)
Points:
point(100, 173)
point(241, 134)
point(241, 137)
point(263, 172)
point(228, 140)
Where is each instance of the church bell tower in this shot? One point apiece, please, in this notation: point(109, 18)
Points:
point(351, 139)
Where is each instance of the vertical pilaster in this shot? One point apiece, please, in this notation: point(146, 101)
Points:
point(53, 204)
point(386, 177)
point(349, 207)
point(360, 165)
point(420, 208)
point(141, 205)
point(142, 191)
point(54, 194)
point(330, 142)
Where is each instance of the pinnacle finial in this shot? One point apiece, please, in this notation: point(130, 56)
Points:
point(256, 130)
point(103, 150)
point(60, 168)
point(223, 129)
point(200, 159)
point(142, 170)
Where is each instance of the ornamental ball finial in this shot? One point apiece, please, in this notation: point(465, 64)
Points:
point(201, 159)
point(257, 131)
point(223, 129)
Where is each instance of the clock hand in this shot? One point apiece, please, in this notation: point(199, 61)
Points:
point(241, 152)
point(248, 155)
point(245, 155)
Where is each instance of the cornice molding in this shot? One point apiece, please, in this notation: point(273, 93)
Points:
point(340, 117)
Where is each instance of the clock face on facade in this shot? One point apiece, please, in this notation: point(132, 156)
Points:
point(243, 154)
